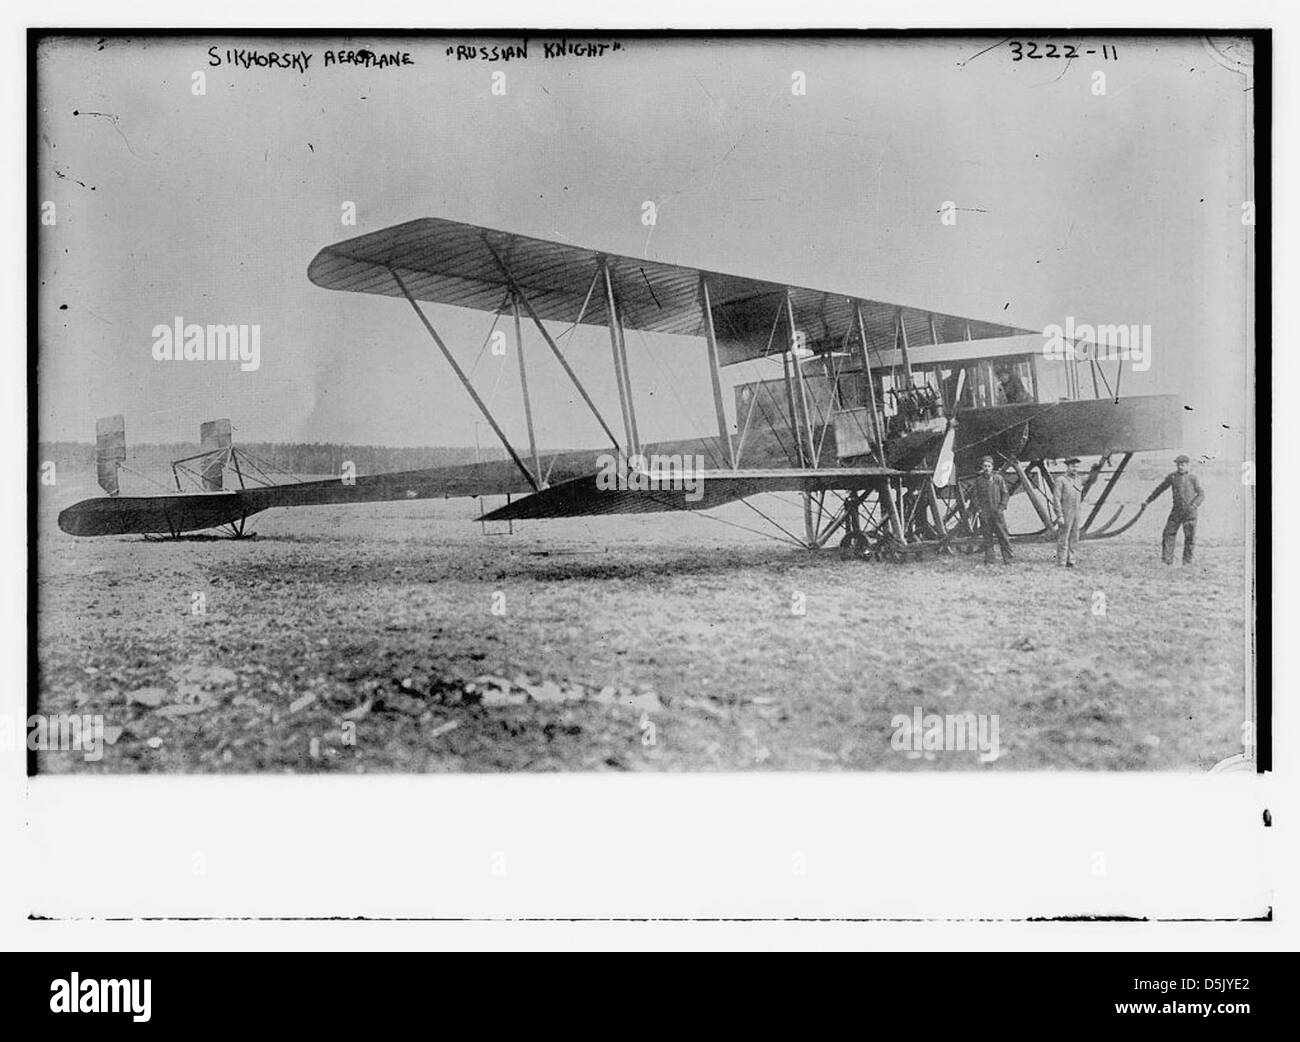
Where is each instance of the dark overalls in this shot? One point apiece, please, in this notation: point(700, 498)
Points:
point(991, 501)
point(1188, 496)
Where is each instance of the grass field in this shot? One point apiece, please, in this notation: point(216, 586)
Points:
point(399, 637)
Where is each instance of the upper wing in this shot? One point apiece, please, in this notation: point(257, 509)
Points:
point(446, 262)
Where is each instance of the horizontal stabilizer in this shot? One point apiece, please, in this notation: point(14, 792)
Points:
point(126, 515)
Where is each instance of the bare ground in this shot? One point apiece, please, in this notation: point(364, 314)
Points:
point(365, 639)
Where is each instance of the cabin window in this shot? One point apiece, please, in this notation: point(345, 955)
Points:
point(1013, 381)
point(931, 378)
point(853, 391)
point(976, 392)
point(988, 381)
point(949, 376)
point(1054, 380)
point(888, 402)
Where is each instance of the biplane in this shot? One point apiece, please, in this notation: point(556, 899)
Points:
point(876, 418)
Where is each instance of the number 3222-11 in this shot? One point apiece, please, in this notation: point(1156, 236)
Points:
point(1052, 50)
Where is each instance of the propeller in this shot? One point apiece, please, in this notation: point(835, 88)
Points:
point(943, 468)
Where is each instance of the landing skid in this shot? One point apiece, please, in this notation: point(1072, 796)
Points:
point(233, 530)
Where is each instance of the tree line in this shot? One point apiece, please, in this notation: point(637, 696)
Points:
point(285, 457)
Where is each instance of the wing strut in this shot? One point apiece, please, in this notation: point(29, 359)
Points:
point(877, 428)
point(620, 362)
point(460, 374)
point(522, 297)
point(803, 390)
point(895, 519)
point(523, 384)
point(753, 401)
point(715, 376)
point(900, 341)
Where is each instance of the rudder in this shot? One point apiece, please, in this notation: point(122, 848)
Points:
point(110, 451)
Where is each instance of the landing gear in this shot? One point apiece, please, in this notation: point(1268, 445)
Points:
point(899, 519)
point(902, 519)
point(236, 529)
point(855, 545)
point(859, 514)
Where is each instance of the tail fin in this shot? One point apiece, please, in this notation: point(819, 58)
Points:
point(110, 450)
point(214, 438)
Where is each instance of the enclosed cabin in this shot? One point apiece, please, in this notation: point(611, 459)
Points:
point(888, 375)
point(892, 378)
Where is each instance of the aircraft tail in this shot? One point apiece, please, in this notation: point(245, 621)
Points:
point(214, 438)
point(110, 451)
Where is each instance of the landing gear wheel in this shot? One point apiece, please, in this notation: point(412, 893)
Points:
point(855, 546)
point(888, 548)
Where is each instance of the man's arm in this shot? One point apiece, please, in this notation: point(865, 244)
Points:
point(1003, 495)
point(1199, 498)
point(1169, 478)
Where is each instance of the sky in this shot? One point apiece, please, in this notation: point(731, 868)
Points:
point(1115, 207)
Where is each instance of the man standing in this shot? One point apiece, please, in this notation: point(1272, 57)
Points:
point(1067, 492)
point(1188, 497)
point(991, 501)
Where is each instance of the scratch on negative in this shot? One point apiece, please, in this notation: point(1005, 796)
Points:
point(963, 64)
point(114, 119)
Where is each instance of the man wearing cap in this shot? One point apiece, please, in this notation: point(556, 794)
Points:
point(1013, 388)
point(1067, 492)
point(991, 502)
point(1188, 496)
